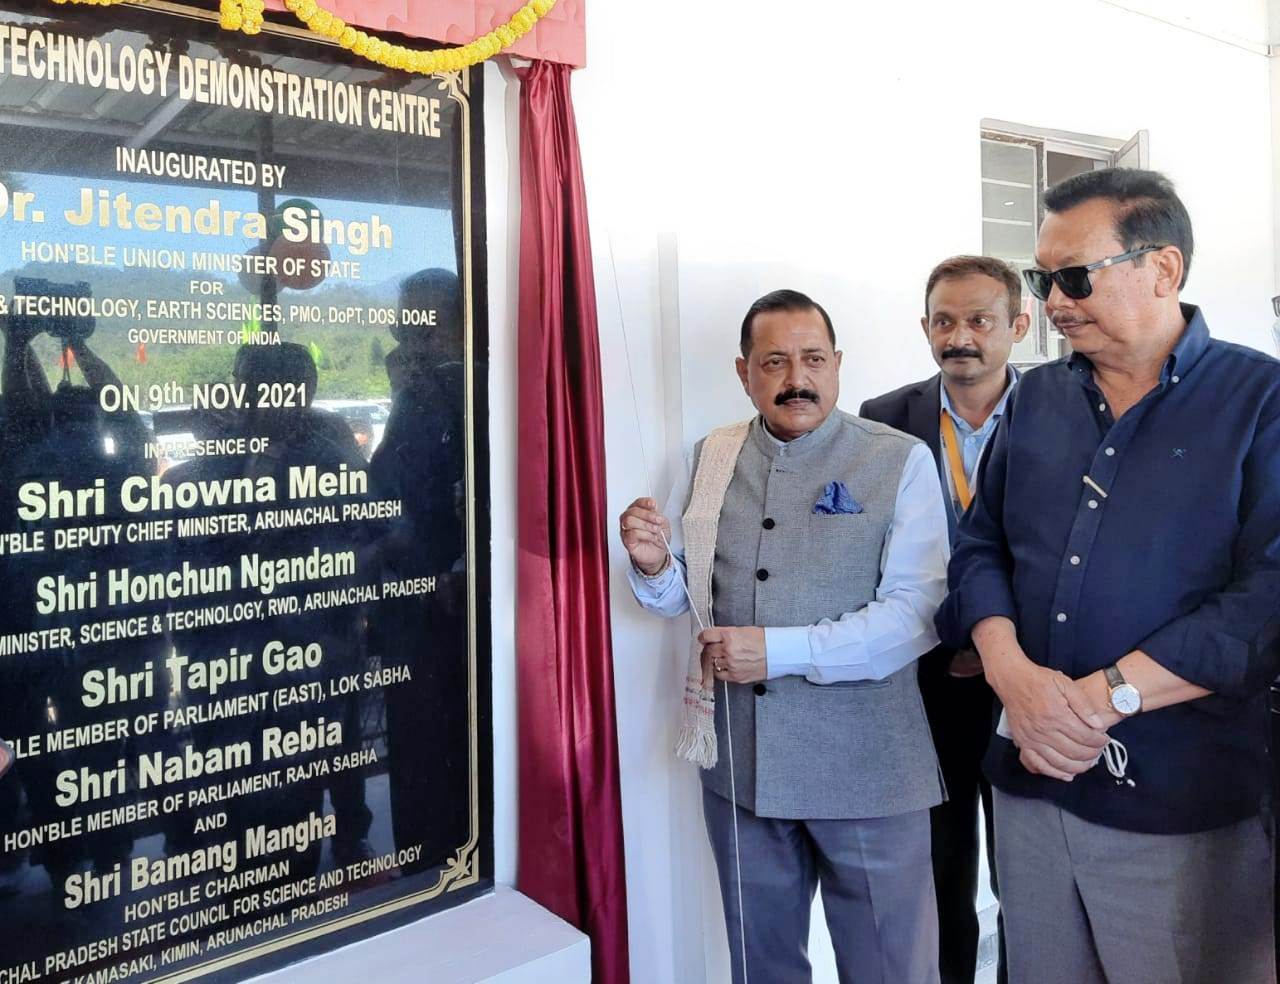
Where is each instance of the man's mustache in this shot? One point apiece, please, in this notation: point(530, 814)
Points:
point(795, 394)
point(961, 353)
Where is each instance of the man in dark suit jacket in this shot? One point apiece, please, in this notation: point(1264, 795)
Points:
point(973, 316)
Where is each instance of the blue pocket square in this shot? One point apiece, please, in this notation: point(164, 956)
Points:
point(836, 501)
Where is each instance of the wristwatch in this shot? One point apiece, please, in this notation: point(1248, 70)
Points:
point(1124, 695)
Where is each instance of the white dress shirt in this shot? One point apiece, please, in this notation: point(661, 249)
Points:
point(972, 444)
point(868, 644)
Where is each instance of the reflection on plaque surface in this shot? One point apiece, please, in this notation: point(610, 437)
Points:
point(243, 496)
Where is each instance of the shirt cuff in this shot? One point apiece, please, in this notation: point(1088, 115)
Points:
point(787, 651)
point(651, 588)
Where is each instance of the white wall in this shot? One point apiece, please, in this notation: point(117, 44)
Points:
point(502, 192)
point(1273, 38)
point(832, 147)
point(851, 178)
point(1238, 22)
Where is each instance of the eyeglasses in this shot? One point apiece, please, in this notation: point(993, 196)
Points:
point(1074, 280)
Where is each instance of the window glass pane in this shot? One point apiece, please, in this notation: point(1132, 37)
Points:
point(1008, 241)
point(1008, 162)
point(1000, 201)
point(1059, 167)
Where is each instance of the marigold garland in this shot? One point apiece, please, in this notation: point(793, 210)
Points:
point(397, 56)
point(247, 15)
point(241, 15)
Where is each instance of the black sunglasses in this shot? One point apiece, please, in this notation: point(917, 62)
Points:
point(1074, 280)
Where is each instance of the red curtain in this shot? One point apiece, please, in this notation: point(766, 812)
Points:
point(570, 852)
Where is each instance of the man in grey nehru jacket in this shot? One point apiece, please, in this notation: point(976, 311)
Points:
point(814, 544)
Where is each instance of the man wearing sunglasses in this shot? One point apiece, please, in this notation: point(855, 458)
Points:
point(973, 317)
point(1119, 575)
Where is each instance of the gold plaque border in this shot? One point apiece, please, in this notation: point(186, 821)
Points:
point(464, 869)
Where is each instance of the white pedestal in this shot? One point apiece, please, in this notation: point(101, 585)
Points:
point(503, 937)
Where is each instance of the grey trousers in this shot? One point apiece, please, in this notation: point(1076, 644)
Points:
point(877, 891)
point(1086, 904)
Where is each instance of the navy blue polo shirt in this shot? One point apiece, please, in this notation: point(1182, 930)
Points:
point(1173, 548)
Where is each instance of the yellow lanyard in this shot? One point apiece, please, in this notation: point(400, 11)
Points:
point(954, 462)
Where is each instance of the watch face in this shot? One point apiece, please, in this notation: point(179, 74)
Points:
point(1126, 699)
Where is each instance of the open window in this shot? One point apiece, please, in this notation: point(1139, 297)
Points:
point(1019, 163)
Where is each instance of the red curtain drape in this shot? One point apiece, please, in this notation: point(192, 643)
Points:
point(570, 850)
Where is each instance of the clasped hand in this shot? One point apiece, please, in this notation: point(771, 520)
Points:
point(1058, 729)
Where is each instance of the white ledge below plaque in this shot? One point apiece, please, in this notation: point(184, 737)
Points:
point(504, 938)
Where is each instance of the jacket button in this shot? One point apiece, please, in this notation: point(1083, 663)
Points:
point(760, 689)
point(768, 524)
point(762, 575)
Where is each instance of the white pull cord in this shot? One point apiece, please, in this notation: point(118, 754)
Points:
point(702, 626)
point(1117, 758)
point(1115, 755)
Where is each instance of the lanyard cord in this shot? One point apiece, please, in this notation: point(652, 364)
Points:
point(955, 464)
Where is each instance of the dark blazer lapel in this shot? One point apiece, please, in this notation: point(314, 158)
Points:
point(923, 408)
